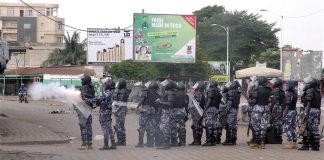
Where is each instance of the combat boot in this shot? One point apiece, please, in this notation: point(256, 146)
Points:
point(166, 144)
point(105, 147)
point(217, 136)
point(150, 141)
point(305, 146)
point(182, 138)
point(262, 144)
point(83, 146)
point(226, 142)
point(113, 145)
point(140, 142)
point(196, 138)
point(295, 145)
point(290, 145)
point(208, 138)
point(316, 142)
point(89, 146)
point(121, 141)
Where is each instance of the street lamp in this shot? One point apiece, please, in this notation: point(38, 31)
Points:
point(281, 30)
point(227, 39)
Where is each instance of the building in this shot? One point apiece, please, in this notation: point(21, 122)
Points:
point(31, 30)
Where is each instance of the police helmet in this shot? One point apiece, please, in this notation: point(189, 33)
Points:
point(121, 83)
point(110, 84)
point(153, 86)
point(168, 84)
point(276, 82)
point(310, 82)
point(85, 80)
point(290, 85)
point(262, 81)
point(181, 86)
point(199, 85)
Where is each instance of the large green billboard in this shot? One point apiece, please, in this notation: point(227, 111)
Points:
point(164, 38)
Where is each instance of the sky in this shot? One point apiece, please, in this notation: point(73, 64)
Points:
point(305, 32)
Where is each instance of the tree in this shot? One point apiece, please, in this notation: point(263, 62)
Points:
point(271, 57)
point(133, 71)
point(73, 53)
point(248, 35)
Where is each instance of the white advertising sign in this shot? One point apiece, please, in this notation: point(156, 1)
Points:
point(109, 46)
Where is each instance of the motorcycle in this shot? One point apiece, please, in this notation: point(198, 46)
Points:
point(23, 97)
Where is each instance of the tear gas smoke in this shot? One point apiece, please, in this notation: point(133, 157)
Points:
point(55, 91)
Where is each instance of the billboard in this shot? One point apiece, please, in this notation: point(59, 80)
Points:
point(218, 71)
point(298, 65)
point(164, 38)
point(109, 46)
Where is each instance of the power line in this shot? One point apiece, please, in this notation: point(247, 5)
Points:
point(52, 18)
point(310, 14)
point(59, 22)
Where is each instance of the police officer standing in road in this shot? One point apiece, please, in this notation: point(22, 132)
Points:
point(211, 112)
point(290, 114)
point(147, 113)
point(311, 100)
point(199, 96)
point(232, 100)
point(179, 116)
point(105, 104)
point(167, 103)
point(87, 91)
point(276, 108)
point(259, 117)
point(120, 102)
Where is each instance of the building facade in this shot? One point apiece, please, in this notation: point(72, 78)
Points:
point(31, 29)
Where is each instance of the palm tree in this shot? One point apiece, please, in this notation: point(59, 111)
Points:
point(73, 53)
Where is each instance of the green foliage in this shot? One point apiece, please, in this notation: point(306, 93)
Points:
point(248, 35)
point(73, 53)
point(133, 71)
point(271, 57)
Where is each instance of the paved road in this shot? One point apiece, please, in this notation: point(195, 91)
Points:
point(37, 113)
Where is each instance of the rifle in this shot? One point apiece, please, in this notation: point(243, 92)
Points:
point(248, 130)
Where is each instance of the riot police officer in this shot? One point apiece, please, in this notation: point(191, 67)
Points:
point(105, 112)
point(211, 113)
point(277, 106)
point(290, 114)
point(179, 116)
point(87, 91)
point(311, 100)
point(259, 117)
point(147, 113)
point(232, 96)
point(120, 101)
point(167, 103)
point(199, 96)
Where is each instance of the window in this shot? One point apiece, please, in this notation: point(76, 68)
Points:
point(42, 37)
point(60, 25)
point(48, 11)
point(10, 11)
point(41, 10)
point(58, 39)
point(28, 13)
point(26, 38)
point(27, 26)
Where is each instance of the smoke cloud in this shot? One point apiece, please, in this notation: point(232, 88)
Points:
point(55, 91)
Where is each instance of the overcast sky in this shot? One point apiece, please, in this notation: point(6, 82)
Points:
point(306, 32)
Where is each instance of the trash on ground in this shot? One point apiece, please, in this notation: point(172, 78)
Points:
point(98, 137)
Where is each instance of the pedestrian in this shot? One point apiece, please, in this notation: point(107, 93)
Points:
point(259, 117)
point(179, 116)
point(105, 104)
point(197, 128)
point(232, 96)
point(147, 112)
point(120, 102)
point(211, 113)
point(311, 100)
point(167, 103)
point(87, 91)
point(276, 109)
point(290, 114)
